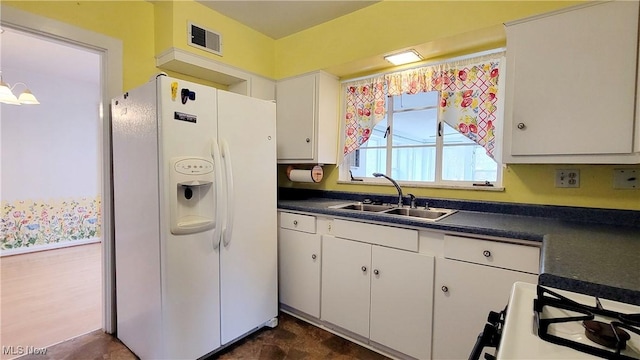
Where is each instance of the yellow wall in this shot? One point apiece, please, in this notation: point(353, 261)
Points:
point(530, 184)
point(148, 28)
point(407, 24)
point(391, 25)
point(242, 46)
point(130, 21)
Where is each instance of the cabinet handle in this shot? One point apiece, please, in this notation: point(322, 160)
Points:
point(486, 253)
point(444, 289)
point(521, 126)
point(295, 222)
point(314, 256)
point(364, 268)
point(307, 140)
point(376, 272)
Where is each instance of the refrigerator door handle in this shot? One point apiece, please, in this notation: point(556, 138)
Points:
point(217, 168)
point(228, 228)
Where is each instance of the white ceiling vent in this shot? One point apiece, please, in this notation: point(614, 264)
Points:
point(205, 39)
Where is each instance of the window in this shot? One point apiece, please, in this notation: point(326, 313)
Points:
point(412, 145)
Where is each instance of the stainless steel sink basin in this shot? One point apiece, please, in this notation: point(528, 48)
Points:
point(426, 214)
point(362, 207)
point(431, 214)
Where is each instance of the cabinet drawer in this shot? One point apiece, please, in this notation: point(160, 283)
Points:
point(405, 239)
point(304, 223)
point(503, 255)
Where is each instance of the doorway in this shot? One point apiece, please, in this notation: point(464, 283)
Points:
point(51, 193)
point(109, 53)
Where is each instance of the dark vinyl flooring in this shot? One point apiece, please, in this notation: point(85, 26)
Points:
point(292, 339)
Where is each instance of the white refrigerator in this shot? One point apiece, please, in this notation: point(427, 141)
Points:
point(194, 173)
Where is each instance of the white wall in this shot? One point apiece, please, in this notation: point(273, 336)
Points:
point(51, 150)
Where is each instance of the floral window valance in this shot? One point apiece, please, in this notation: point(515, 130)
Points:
point(366, 103)
point(469, 94)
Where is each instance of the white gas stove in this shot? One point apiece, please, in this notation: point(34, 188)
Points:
point(520, 337)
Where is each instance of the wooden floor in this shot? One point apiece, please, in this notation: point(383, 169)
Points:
point(49, 296)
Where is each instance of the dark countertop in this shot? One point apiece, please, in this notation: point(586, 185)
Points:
point(582, 251)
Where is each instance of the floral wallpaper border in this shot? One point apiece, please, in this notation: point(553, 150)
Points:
point(33, 225)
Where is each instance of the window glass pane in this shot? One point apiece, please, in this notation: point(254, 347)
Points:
point(414, 146)
point(415, 127)
point(367, 161)
point(418, 100)
point(413, 163)
point(453, 136)
point(468, 163)
point(377, 135)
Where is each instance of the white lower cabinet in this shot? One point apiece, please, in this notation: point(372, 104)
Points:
point(299, 269)
point(346, 284)
point(379, 293)
point(402, 300)
point(299, 261)
point(408, 296)
point(466, 292)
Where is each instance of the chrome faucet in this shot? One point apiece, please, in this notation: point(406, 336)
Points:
point(412, 201)
point(394, 184)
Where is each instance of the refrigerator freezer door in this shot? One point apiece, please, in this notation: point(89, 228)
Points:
point(167, 285)
point(248, 260)
point(189, 263)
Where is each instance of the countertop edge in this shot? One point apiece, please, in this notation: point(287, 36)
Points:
point(417, 223)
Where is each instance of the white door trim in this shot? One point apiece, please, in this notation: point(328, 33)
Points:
point(110, 50)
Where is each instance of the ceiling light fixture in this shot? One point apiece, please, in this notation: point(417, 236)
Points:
point(404, 57)
point(7, 96)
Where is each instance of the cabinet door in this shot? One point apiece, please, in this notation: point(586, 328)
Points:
point(461, 309)
point(571, 79)
point(299, 270)
point(402, 300)
point(346, 284)
point(296, 117)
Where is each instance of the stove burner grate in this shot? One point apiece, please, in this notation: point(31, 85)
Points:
point(616, 339)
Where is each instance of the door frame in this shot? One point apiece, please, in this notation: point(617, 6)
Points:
point(110, 50)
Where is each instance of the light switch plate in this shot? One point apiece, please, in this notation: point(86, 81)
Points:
point(567, 178)
point(626, 179)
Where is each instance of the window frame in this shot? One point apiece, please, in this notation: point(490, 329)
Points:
point(345, 176)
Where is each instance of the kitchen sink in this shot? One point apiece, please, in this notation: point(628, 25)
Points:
point(432, 214)
point(362, 207)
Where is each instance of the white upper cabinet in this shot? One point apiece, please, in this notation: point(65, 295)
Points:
point(571, 80)
point(307, 119)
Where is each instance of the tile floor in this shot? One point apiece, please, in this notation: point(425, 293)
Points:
point(292, 339)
